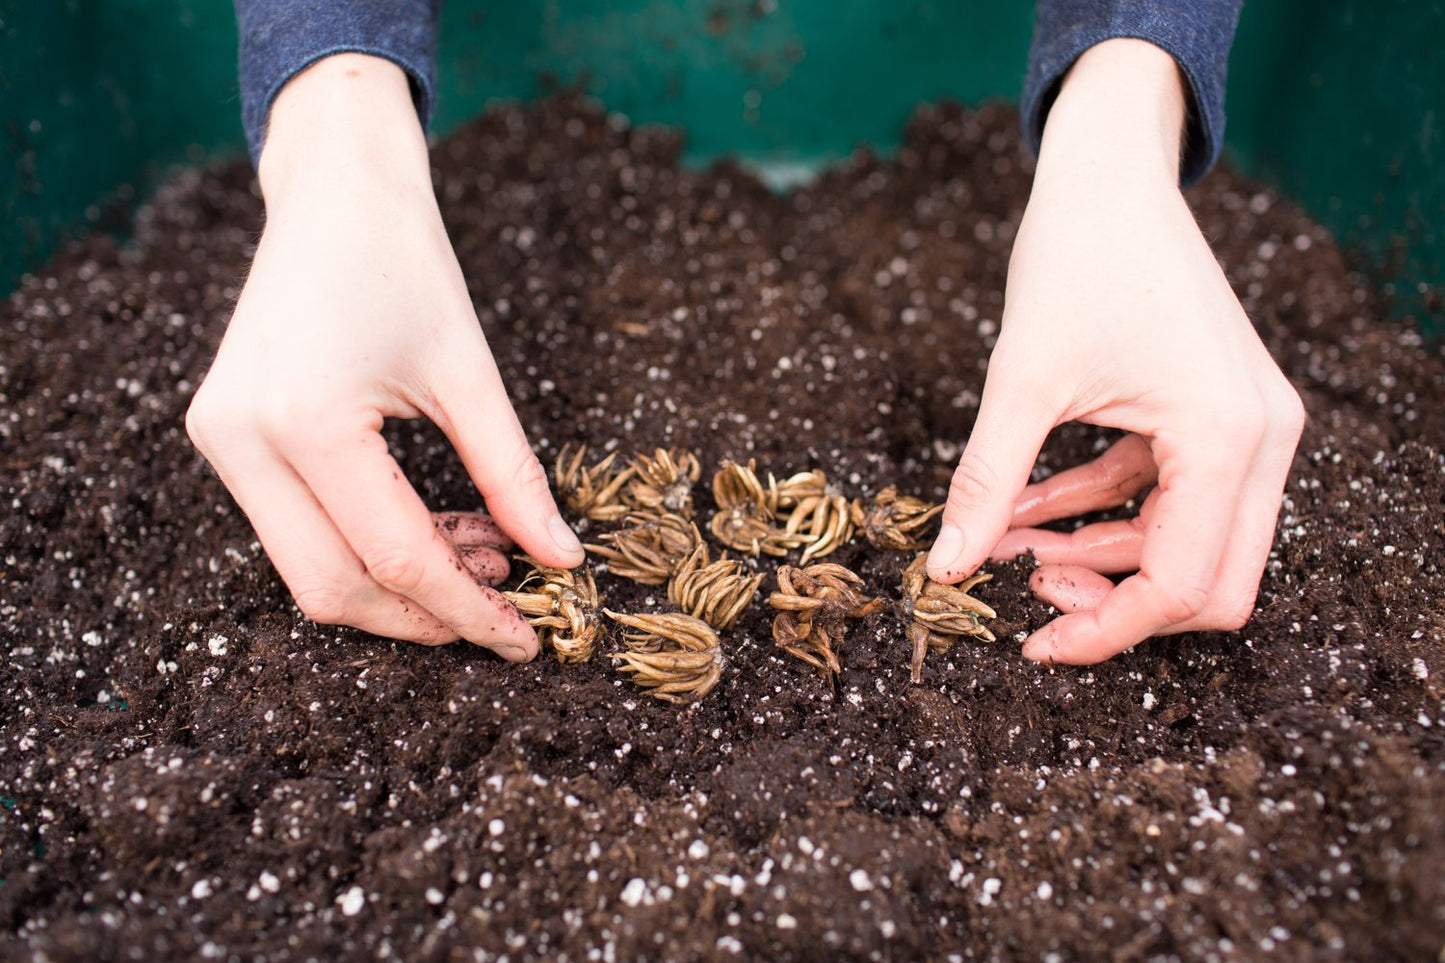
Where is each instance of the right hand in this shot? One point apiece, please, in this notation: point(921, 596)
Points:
point(1117, 314)
point(355, 311)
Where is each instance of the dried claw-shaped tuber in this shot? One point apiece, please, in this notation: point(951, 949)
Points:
point(941, 614)
point(716, 592)
point(595, 492)
point(893, 521)
point(676, 656)
point(808, 506)
point(795, 488)
point(813, 604)
point(745, 517)
point(562, 606)
point(649, 548)
point(662, 481)
point(738, 486)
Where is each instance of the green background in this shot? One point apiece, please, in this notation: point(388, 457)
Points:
point(1340, 103)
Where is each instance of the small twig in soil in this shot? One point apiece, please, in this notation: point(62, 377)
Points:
point(813, 605)
point(676, 656)
point(650, 548)
point(562, 606)
point(941, 614)
point(716, 592)
point(594, 492)
point(892, 521)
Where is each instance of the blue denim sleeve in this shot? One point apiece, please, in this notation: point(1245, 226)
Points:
point(281, 38)
point(1197, 33)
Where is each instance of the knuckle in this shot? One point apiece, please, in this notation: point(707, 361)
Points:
point(1013, 349)
point(324, 604)
point(1233, 618)
point(1244, 425)
point(972, 481)
point(278, 412)
point(288, 414)
point(1229, 615)
point(528, 475)
point(399, 571)
point(1289, 412)
point(206, 420)
point(198, 427)
point(1185, 604)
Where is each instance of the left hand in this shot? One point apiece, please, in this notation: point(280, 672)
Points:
point(1118, 315)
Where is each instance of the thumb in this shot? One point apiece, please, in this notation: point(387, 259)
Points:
point(478, 419)
point(993, 470)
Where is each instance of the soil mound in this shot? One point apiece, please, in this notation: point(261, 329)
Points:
point(191, 771)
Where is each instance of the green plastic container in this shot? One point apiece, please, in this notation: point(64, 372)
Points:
point(1339, 104)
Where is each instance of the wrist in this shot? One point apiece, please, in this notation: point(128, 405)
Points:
point(347, 121)
point(1120, 112)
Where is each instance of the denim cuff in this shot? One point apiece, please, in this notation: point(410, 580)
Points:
point(281, 38)
point(1196, 33)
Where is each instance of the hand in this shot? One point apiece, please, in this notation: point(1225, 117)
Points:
point(1118, 315)
point(356, 311)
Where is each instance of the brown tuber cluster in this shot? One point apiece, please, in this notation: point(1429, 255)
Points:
point(941, 614)
point(562, 606)
point(594, 491)
point(677, 655)
point(650, 548)
point(802, 511)
point(659, 483)
point(813, 604)
point(745, 519)
point(808, 506)
point(716, 592)
point(662, 482)
point(894, 522)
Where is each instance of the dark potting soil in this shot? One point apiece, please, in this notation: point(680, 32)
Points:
point(190, 770)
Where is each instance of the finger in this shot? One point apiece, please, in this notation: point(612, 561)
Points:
point(1010, 430)
point(1186, 530)
point(326, 579)
point(1113, 478)
point(1070, 588)
point(1106, 547)
point(479, 542)
point(477, 417)
point(363, 491)
point(487, 566)
point(1252, 535)
point(472, 528)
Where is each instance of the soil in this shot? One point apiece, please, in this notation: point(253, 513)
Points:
point(190, 770)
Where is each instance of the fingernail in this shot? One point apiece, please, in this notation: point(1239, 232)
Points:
point(945, 551)
point(512, 653)
point(562, 535)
